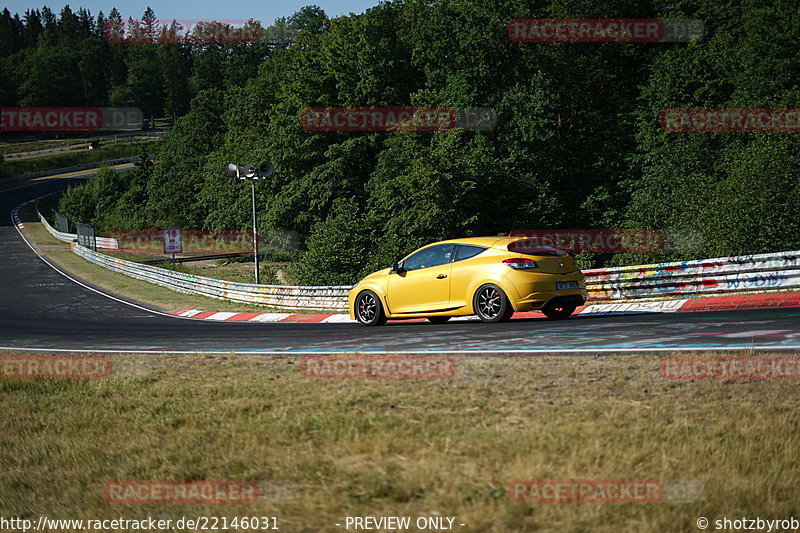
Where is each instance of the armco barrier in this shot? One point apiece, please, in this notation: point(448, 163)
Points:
point(762, 272)
point(754, 273)
point(275, 296)
point(102, 242)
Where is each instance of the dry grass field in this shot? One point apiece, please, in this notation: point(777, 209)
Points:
point(325, 449)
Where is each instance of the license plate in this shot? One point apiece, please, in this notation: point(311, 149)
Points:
point(566, 285)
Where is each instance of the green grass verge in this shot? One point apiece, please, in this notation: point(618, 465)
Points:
point(7, 147)
point(337, 448)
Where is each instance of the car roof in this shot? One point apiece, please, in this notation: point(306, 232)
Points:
point(492, 242)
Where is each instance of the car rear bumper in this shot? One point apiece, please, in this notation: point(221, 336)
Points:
point(540, 299)
point(533, 290)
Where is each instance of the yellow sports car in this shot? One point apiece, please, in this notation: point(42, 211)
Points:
point(491, 277)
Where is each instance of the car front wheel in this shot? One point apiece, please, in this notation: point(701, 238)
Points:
point(369, 310)
point(491, 304)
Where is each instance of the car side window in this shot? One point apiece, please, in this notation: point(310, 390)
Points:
point(429, 257)
point(467, 251)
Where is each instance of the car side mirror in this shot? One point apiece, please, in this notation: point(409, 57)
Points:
point(396, 268)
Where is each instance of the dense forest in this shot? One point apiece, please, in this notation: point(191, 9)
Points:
point(577, 143)
point(74, 59)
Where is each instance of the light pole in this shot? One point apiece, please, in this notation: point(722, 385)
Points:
point(249, 172)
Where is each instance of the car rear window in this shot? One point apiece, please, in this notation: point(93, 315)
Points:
point(467, 251)
point(533, 247)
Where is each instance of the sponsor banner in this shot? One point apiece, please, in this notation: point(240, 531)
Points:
point(605, 30)
point(378, 367)
point(204, 242)
point(731, 368)
point(396, 119)
point(613, 241)
point(662, 306)
point(55, 367)
point(70, 118)
point(181, 492)
point(730, 120)
point(183, 31)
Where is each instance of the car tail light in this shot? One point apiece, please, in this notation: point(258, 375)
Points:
point(520, 263)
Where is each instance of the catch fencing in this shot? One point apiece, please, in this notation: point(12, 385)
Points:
point(102, 242)
point(684, 279)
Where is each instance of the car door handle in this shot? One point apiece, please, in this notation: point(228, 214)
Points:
point(441, 276)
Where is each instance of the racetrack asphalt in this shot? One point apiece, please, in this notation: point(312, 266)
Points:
point(42, 310)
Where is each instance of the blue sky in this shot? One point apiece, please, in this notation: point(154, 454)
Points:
point(265, 11)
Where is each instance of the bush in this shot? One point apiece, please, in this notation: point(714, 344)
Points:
point(95, 202)
point(338, 248)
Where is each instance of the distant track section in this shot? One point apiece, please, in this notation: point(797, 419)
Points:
point(43, 310)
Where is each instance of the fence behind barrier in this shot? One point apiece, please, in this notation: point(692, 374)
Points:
point(102, 242)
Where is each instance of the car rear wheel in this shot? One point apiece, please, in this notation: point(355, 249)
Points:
point(369, 310)
point(491, 304)
point(558, 311)
point(438, 319)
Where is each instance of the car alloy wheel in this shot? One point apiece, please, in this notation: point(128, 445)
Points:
point(491, 304)
point(369, 310)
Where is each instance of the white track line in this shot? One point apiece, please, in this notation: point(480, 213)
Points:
point(51, 265)
point(404, 352)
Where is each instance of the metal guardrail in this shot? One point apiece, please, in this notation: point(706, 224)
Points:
point(102, 242)
point(275, 296)
point(761, 272)
point(193, 258)
point(756, 273)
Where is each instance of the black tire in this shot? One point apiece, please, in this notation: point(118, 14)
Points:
point(491, 304)
point(369, 310)
point(438, 319)
point(558, 311)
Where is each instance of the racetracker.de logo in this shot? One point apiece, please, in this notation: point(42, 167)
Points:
point(378, 367)
point(730, 120)
point(181, 492)
point(612, 241)
point(205, 242)
point(605, 30)
point(55, 367)
point(586, 491)
point(760, 368)
point(70, 118)
point(184, 31)
point(396, 119)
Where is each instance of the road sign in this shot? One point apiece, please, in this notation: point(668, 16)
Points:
point(172, 241)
